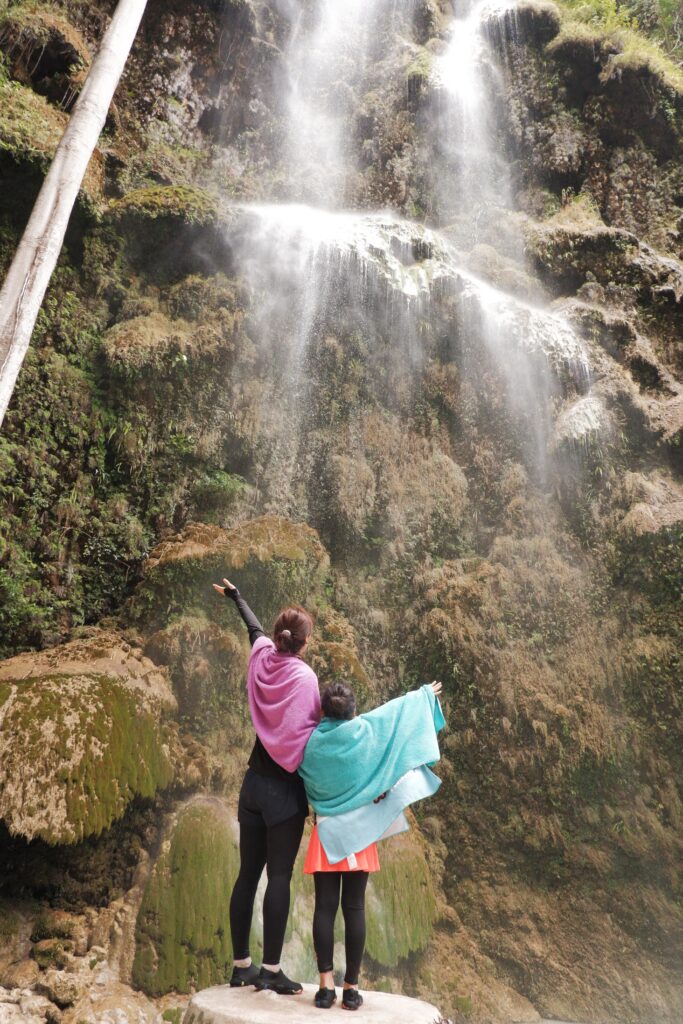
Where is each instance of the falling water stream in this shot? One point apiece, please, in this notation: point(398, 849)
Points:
point(319, 266)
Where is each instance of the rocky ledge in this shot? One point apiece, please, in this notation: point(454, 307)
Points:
point(225, 1005)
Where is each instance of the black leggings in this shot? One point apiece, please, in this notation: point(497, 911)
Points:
point(274, 848)
point(327, 886)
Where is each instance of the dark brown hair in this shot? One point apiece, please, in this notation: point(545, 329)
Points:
point(292, 628)
point(338, 701)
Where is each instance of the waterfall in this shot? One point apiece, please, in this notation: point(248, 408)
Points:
point(321, 266)
point(332, 50)
point(477, 191)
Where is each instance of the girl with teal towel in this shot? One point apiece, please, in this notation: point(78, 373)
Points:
point(361, 772)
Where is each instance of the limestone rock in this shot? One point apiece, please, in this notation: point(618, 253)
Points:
point(18, 1006)
point(81, 734)
point(103, 653)
point(61, 987)
point(183, 932)
point(655, 503)
point(52, 952)
point(21, 975)
point(273, 559)
point(223, 1005)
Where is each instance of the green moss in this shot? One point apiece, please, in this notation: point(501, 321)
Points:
point(401, 904)
point(173, 1015)
point(96, 749)
point(608, 27)
point(50, 926)
point(52, 953)
point(9, 925)
point(183, 928)
point(58, 504)
point(5, 691)
point(181, 202)
point(37, 22)
point(31, 128)
point(273, 560)
point(419, 71)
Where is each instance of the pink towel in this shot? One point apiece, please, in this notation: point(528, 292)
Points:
point(284, 701)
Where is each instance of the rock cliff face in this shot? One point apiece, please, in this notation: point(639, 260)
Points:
point(441, 406)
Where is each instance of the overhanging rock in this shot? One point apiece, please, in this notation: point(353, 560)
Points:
point(225, 1005)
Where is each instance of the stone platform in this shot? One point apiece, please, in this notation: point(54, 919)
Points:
point(225, 1005)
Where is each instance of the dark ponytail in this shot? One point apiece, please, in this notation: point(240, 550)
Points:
point(292, 629)
point(338, 701)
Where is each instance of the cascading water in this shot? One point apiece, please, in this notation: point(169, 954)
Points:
point(331, 52)
point(476, 197)
point(478, 189)
point(326, 268)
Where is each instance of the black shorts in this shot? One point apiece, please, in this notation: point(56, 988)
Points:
point(266, 802)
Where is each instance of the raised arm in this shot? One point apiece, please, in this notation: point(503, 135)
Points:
point(253, 625)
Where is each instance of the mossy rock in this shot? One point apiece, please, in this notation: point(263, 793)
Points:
point(169, 231)
point(182, 936)
point(208, 669)
point(30, 131)
point(53, 924)
point(610, 45)
point(9, 925)
point(401, 902)
point(273, 561)
point(44, 50)
point(49, 953)
point(176, 202)
point(81, 736)
point(148, 342)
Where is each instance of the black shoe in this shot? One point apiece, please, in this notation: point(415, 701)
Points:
point(324, 998)
point(242, 976)
point(277, 981)
point(352, 999)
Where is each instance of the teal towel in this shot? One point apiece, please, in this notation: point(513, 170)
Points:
point(344, 834)
point(350, 763)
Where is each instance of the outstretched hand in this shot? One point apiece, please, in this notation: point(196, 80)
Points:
point(227, 585)
point(437, 688)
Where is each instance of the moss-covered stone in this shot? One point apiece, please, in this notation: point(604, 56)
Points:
point(30, 131)
point(53, 924)
point(180, 202)
point(183, 927)
point(44, 49)
point(401, 903)
point(608, 27)
point(80, 739)
point(54, 952)
point(207, 664)
point(274, 560)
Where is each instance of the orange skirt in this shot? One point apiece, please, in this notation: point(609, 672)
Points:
point(316, 858)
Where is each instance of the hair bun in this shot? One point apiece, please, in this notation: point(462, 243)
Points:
point(286, 633)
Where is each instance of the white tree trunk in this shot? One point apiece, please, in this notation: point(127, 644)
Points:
point(29, 275)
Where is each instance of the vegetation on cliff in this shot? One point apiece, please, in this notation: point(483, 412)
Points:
point(183, 927)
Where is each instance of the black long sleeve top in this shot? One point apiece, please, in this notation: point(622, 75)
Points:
point(260, 760)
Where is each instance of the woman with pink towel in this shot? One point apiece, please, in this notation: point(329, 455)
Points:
point(284, 701)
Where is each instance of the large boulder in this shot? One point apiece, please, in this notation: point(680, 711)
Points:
point(182, 933)
point(82, 733)
point(273, 560)
point(233, 1006)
